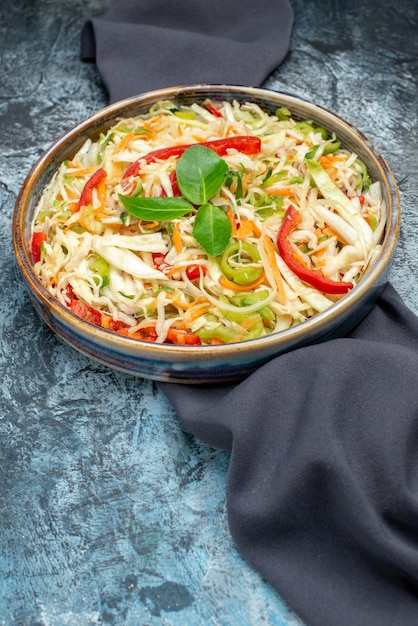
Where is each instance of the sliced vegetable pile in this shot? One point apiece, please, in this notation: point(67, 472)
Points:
point(206, 224)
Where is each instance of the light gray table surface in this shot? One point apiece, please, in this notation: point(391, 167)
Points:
point(110, 513)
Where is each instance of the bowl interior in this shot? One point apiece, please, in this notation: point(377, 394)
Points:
point(167, 357)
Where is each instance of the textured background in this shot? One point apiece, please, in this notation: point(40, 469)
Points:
point(109, 512)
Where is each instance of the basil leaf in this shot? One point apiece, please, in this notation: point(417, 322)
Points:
point(200, 174)
point(160, 209)
point(212, 229)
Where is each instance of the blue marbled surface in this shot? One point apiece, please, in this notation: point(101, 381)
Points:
point(110, 513)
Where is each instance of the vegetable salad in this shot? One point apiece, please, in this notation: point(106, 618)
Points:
point(209, 223)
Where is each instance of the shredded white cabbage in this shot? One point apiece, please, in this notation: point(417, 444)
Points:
point(152, 280)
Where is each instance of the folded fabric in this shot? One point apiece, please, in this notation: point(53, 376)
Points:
point(322, 493)
point(140, 45)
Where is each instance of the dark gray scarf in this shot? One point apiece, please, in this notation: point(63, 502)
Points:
point(322, 487)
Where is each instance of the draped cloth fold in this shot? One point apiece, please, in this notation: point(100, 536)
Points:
point(322, 492)
point(322, 488)
point(141, 45)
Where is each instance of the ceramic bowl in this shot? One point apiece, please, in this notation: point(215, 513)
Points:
point(203, 364)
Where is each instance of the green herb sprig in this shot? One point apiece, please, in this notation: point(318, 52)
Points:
point(200, 174)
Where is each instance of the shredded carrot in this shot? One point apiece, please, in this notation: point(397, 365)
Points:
point(72, 195)
point(233, 186)
point(132, 228)
point(271, 254)
point(299, 142)
point(245, 181)
point(282, 191)
point(318, 257)
point(257, 230)
point(72, 206)
point(86, 217)
point(124, 142)
point(146, 225)
point(152, 122)
point(230, 215)
point(99, 212)
point(117, 170)
point(178, 244)
point(228, 284)
point(86, 171)
point(332, 158)
point(116, 227)
point(182, 305)
point(193, 314)
point(174, 270)
point(101, 192)
point(246, 229)
point(198, 138)
point(328, 163)
point(188, 305)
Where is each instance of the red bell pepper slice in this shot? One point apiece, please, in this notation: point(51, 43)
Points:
point(144, 334)
point(174, 186)
point(38, 238)
point(212, 109)
point(83, 310)
point(162, 154)
point(247, 144)
point(109, 323)
point(87, 193)
point(88, 313)
point(243, 143)
point(158, 258)
point(92, 315)
point(159, 261)
point(182, 338)
point(195, 271)
point(313, 277)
